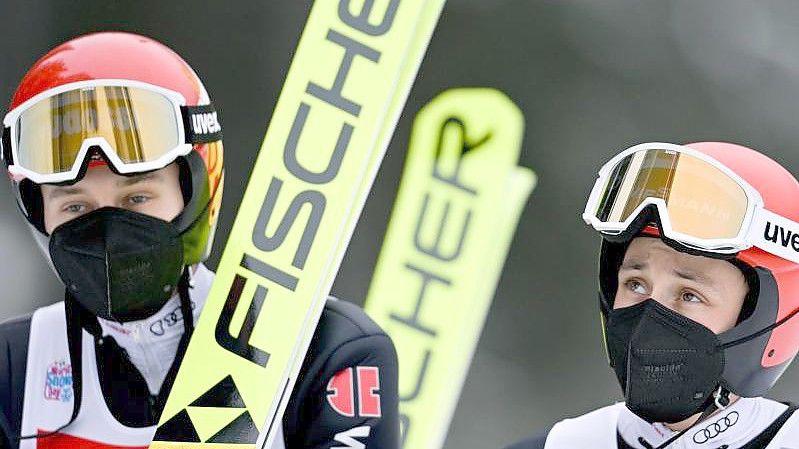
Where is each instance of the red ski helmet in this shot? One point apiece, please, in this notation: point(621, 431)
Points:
point(115, 64)
point(766, 338)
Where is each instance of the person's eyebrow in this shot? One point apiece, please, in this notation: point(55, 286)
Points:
point(139, 178)
point(64, 191)
point(633, 264)
point(693, 276)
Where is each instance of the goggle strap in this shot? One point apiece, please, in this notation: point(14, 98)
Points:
point(775, 234)
point(201, 124)
point(5, 145)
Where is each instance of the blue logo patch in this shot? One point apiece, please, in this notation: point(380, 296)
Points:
point(58, 383)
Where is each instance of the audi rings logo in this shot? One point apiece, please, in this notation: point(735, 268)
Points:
point(713, 430)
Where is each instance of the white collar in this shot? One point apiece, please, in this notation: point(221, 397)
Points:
point(734, 426)
point(151, 343)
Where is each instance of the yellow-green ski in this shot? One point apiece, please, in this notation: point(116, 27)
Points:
point(343, 94)
point(458, 205)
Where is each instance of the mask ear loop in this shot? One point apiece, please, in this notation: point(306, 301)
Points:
point(721, 400)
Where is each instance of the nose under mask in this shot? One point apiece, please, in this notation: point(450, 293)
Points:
point(667, 365)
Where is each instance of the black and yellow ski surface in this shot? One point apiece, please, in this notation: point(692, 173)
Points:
point(350, 76)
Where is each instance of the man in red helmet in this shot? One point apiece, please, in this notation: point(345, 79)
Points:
point(698, 282)
point(115, 153)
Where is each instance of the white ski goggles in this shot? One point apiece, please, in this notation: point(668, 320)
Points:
point(137, 127)
point(701, 203)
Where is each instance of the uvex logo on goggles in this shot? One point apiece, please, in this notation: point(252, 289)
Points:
point(786, 237)
point(700, 203)
point(202, 124)
point(137, 126)
point(777, 235)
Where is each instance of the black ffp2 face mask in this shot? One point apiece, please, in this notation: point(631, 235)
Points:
point(668, 365)
point(118, 264)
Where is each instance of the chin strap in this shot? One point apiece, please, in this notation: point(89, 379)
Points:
point(721, 399)
point(184, 285)
point(78, 319)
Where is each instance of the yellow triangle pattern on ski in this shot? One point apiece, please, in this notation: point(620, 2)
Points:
point(210, 420)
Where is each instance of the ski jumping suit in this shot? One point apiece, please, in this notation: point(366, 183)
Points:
point(749, 423)
point(345, 395)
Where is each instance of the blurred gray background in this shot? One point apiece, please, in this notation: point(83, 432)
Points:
point(592, 77)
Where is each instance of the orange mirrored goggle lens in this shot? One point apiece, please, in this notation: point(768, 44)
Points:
point(140, 125)
point(701, 200)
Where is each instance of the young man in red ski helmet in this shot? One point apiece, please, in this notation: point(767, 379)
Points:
point(115, 154)
point(698, 289)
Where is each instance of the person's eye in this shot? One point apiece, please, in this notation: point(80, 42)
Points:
point(690, 297)
point(138, 199)
point(75, 208)
point(636, 286)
